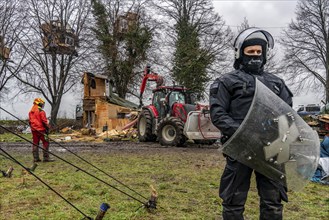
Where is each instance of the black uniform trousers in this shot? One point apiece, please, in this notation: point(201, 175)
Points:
point(234, 187)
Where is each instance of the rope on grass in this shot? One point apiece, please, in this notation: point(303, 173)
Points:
point(38, 178)
point(5, 156)
point(84, 160)
point(78, 168)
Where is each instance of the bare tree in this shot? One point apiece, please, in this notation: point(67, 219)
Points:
point(306, 43)
point(199, 40)
point(10, 30)
point(49, 48)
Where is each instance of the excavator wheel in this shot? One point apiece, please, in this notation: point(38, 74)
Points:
point(144, 127)
point(205, 142)
point(170, 132)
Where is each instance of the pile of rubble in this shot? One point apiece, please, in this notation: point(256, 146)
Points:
point(92, 135)
point(119, 135)
point(320, 123)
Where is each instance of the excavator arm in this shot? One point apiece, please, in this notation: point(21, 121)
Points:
point(149, 76)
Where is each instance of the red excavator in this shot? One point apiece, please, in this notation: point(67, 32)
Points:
point(173, 117)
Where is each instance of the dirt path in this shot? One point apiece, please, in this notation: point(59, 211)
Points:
point(123, 146)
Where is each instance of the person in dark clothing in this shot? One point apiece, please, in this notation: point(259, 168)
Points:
point(39, 128)
point(231, 96)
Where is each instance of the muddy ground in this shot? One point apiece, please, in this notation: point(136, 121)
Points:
point(117, 147)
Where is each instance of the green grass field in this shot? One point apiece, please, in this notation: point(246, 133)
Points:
point(7, 137)
point(186, 181)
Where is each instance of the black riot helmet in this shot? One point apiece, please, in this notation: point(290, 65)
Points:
point(249, 37)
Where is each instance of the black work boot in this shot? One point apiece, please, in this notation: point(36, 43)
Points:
point(36, 157)
point(46, 157)
point(48, 160)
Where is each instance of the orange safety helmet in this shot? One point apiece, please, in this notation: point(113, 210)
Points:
point(38, 101)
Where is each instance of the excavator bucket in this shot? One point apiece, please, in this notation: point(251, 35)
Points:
point(199, 127)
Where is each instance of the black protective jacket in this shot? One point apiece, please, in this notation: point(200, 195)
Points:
point(231, 97)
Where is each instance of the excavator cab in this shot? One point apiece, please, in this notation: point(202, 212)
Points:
point(159, 102)
point(176, 97)
point(180, 103)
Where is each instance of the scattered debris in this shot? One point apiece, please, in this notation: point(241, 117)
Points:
point(8, 173)
point(117, 135)
point(88, 131)
point(66, 130)
point(320, 123)
point(152, 203)
point(324, 118)
point(27, 130)
point(68, 138)
point(121, 133)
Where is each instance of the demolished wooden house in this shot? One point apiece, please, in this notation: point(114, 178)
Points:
point(102, 108)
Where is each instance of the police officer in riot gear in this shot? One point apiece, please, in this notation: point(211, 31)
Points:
point(231, 96)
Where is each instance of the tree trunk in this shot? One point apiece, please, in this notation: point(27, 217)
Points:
point(54, 112)
point(327, 85)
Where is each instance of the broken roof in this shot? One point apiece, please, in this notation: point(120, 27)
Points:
point(112, 97)
point(115, 99)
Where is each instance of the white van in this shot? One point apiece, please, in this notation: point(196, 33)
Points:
point(310, 109)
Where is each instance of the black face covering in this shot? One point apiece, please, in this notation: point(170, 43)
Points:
point(252, 64)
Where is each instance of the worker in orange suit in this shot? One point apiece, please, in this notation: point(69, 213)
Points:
point(39, 128)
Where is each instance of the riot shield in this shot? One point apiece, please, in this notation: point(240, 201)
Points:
point(275, 141)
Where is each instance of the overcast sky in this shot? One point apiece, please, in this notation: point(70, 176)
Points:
point(269, 15)
point(272, 16)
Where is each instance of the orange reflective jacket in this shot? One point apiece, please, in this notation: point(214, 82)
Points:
point(38, 119)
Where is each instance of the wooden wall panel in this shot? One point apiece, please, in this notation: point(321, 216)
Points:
point(90, 92)
point(85, 86)
point(100, 88)
point(102, 111)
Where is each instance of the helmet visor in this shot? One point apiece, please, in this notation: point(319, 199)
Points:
point(242, 37)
